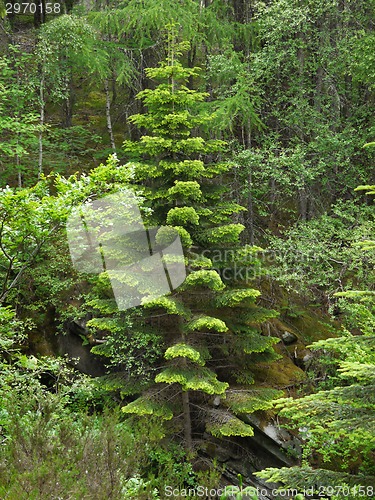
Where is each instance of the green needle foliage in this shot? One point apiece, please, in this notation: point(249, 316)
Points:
point(182, 177)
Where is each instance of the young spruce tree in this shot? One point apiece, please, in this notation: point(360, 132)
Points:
point(211, 330)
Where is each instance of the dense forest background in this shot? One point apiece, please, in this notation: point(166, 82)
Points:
point(245, 128)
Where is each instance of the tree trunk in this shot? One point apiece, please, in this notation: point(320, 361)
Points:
point(67, 108)
point(19, 172)
point(70, 4)
point(272, 192)
point(302, 195)
point(250, 208)
point(41, 123)
point(114, 88)
point(40, 13)
point(108, 114)
point(187, 420)
point(185, 399)
point(318, 89)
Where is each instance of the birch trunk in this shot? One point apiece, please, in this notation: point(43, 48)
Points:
point(108, 115)
point(19, 172)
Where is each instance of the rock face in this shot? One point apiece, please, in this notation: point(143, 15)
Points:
point(288, 338)
point(70, 343)
point(275, 440)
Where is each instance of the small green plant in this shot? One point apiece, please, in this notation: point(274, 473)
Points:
point(239, 492)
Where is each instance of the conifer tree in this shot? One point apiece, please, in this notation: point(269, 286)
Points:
point(210, 328)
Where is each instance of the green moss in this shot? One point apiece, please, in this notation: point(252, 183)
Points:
point(280, 374)
point(94, 101)
point(311, 327)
